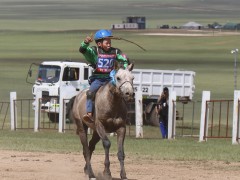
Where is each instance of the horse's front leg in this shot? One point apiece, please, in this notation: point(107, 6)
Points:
point(106, 144)
point(86, 153)
point(121, 156)
point(92, 143)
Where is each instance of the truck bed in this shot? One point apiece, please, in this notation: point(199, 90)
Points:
point(152, 82)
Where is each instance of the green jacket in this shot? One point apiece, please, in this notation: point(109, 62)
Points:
point(91, 56)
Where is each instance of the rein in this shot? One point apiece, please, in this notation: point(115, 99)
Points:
point(121, 91)
point(124, 83)
point(119, 88)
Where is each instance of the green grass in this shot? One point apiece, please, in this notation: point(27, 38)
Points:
point(91, 14)
point(53, 30)
point(154, 148)
point(209, 57)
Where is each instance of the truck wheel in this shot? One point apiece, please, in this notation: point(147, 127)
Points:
point(53, 117)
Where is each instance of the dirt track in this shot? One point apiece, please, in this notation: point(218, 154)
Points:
point(49, 166)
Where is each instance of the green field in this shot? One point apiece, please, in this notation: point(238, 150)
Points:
point(91, 14)
point(52, 30)
point(154, 148)
point(33, 31)
point(209, 57)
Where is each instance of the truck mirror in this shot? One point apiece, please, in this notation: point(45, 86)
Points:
point(30, 73)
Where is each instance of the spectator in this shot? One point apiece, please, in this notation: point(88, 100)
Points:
point(162, 111)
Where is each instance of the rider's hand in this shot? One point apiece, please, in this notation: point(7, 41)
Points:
point(88, 40)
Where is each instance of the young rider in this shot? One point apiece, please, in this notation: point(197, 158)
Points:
point(102, 58)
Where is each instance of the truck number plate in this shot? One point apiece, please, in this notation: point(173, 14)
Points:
point(144, 89)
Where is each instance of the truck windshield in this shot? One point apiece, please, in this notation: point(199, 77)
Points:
point(48, 73)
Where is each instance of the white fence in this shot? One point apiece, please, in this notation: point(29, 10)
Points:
point(236, 124)
point(139, 119)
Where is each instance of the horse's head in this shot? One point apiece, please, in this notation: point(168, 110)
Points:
point(124, 82)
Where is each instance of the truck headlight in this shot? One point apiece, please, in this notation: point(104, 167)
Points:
point(53, 101)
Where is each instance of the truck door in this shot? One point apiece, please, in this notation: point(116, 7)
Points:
point(70, 81)
point(74, 80)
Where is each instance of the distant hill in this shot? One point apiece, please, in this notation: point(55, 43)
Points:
point(89, 14)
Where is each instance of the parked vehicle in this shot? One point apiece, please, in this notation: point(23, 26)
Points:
point(151, 83)
point(70, 77)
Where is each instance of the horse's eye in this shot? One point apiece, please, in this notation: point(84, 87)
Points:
point(118, 78)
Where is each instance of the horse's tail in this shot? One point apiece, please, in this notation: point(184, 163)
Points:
point(69, 108)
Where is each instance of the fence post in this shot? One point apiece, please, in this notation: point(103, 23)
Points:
point(172, 115)
point(37, 111)
point(204, 115)
point(236, 124)
point(138, 117)
point(61, 120)
point(13, 110)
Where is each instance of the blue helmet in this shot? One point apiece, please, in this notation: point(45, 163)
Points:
point(101, 34)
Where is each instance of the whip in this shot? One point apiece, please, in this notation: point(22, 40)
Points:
point(119, 38)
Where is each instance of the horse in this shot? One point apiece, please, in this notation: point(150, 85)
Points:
point(110, 116)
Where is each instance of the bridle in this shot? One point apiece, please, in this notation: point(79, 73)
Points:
point(124, 83)
point(119, 88)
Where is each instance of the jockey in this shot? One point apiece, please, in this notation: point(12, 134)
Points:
point(102, 58)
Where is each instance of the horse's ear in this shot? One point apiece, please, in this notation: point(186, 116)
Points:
point(130, 67)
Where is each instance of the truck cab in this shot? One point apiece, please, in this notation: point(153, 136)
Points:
point(53, 76)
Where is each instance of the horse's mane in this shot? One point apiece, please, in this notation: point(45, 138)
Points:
point(112, 87)
point(109, 87)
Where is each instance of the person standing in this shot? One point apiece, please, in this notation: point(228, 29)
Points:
point(162, 110)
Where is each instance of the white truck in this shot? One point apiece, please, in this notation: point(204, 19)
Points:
point(151, 83)
point(72, 77)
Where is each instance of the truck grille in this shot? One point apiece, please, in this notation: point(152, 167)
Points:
point(45, 97)
point(44, 107)
point(45, 93)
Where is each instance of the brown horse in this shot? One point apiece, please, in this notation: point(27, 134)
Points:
point(110, 116)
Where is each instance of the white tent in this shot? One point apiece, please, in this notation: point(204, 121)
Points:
point(192, 25)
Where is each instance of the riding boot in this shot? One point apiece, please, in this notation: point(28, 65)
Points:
point(88, 118)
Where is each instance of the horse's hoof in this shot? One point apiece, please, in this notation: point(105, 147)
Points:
point(125, 178)
point(85, 170)
point(107, 175)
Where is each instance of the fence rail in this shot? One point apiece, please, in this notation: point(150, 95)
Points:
point(188, 118)
point(4, 112)
point(220, 111)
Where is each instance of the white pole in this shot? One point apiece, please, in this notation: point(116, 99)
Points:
point(138, 114)
point(37, 112)
point(235, 124)
point(13, 110)
point(172, 115)
point(235, 71)
point(204, 112)
point(235, 52)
